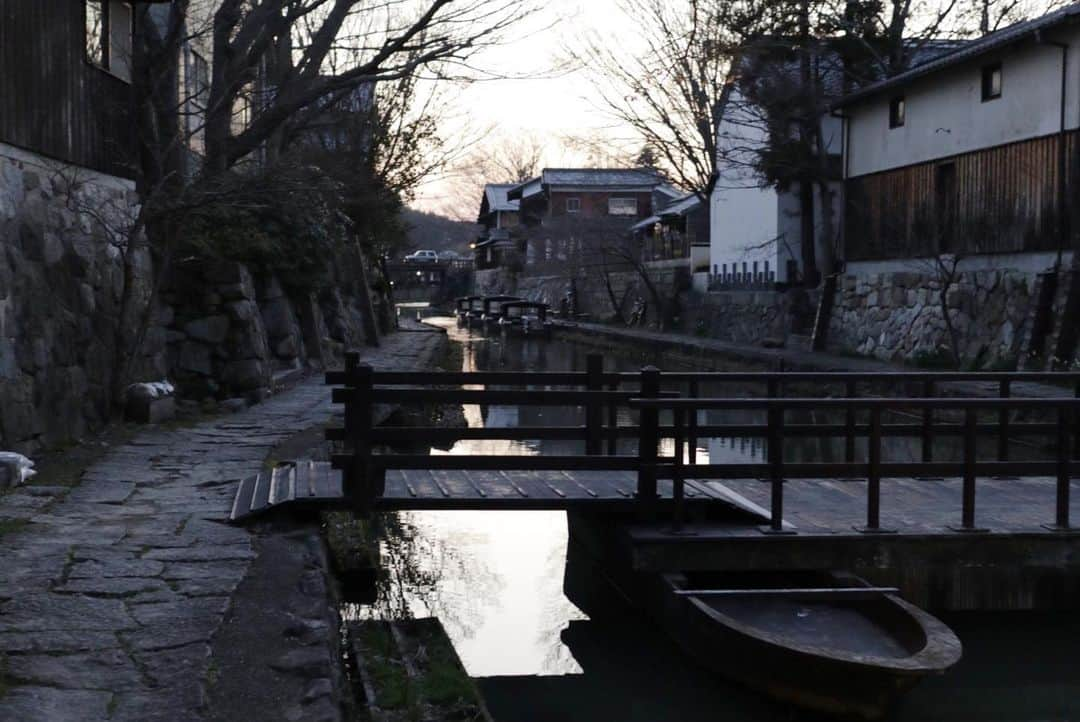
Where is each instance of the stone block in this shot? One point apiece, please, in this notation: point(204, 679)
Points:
point(278, 318)
point(241, 310)
point(271, 289)
point(212, 329)
point(151, 411)
point(195, 357)
point(287, 348)
point(246, 375)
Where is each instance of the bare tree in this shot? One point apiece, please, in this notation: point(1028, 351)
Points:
point(277, 67)
point(495, 158)
point(671, 92)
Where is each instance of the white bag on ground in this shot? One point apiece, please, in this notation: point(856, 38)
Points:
point(15, 469)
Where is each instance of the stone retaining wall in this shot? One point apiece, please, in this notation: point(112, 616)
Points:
point(751, 316)
point(897, 315)
point(61, 280)
point(217, 331)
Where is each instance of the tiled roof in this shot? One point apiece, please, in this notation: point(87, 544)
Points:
point(495, 194)
point(677, 207)
point(968, 51)
point(603, 177)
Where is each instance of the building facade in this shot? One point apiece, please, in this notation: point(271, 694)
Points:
point(960, 178)
point(498, 245)
point(584, 213)
point(756, 228)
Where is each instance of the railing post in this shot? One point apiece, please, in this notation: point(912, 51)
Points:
point(648, 440)
point(613, 423)
point(873, 478)
point(928, 424)
point(967, 523)
point(849, 424)
point(776, 465)
point(594, 408)
point(1076, 425)
point(1004, 392)
point(678, 489)
point(1064, 476)
point(359, 485)
point(692, 422)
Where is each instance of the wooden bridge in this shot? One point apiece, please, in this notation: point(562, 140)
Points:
point(649, 467)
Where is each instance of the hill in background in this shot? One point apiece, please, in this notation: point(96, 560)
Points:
point(438, 233)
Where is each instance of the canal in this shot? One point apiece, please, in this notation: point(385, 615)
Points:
point(496, 581)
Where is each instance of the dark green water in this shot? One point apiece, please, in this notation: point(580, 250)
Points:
point(496, 580)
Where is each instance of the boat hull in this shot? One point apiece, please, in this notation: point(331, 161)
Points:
point(841, 684)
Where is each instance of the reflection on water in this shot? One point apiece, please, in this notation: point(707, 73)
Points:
point(496, 580)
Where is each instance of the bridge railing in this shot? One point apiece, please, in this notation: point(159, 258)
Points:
point(669, 406)
point(776, 470)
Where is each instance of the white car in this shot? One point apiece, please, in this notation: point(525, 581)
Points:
point(422, 257)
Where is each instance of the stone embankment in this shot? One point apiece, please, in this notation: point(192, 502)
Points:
point(218, 331)
point(127, 597)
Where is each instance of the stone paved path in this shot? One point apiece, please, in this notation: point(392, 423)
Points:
point(110, 595)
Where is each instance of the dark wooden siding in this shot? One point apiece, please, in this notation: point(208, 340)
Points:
point(1003, 199)
point(52, 101)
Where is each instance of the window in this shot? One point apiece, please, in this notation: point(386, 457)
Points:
point(622, 206)
point(95, 37)
point(991, 82)
point(197, 88)
point(896, 112)
point(109, 25)
point(573, 205)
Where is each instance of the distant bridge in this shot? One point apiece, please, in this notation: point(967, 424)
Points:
point(430, 282)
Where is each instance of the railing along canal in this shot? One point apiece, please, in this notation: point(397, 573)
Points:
point(650, 392)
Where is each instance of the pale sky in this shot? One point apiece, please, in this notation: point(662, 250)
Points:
point(550, 107)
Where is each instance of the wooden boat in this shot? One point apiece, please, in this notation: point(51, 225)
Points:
point(461, 309)
point(826, 642)
point(492, 311)
point(474, 311)
point(525, 318)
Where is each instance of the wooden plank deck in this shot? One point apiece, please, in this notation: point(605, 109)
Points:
point(923, 515)
point(308, 484)
point(908, 506)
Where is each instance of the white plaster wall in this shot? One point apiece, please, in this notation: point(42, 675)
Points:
point(750, 223)
point(945, 114)
point(744, 228)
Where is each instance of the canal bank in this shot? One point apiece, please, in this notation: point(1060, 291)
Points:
point(494, 579)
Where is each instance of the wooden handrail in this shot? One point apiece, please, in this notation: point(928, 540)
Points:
point(596, 391)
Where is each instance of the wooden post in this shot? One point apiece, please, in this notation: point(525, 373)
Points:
point(849, 424)
point(776, 469)
point(928, 425)
point(594, 408)
point(971, 438)
point(648, 440)
point(1064, 477)
point(1004, 391)
point(359, 482)
point(678, 489)
point(692, 422)
point(873, 479)
point(613, 423)
point(1076, 425)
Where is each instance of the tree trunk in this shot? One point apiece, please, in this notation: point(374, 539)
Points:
point(367, 311)
point(808, 242)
